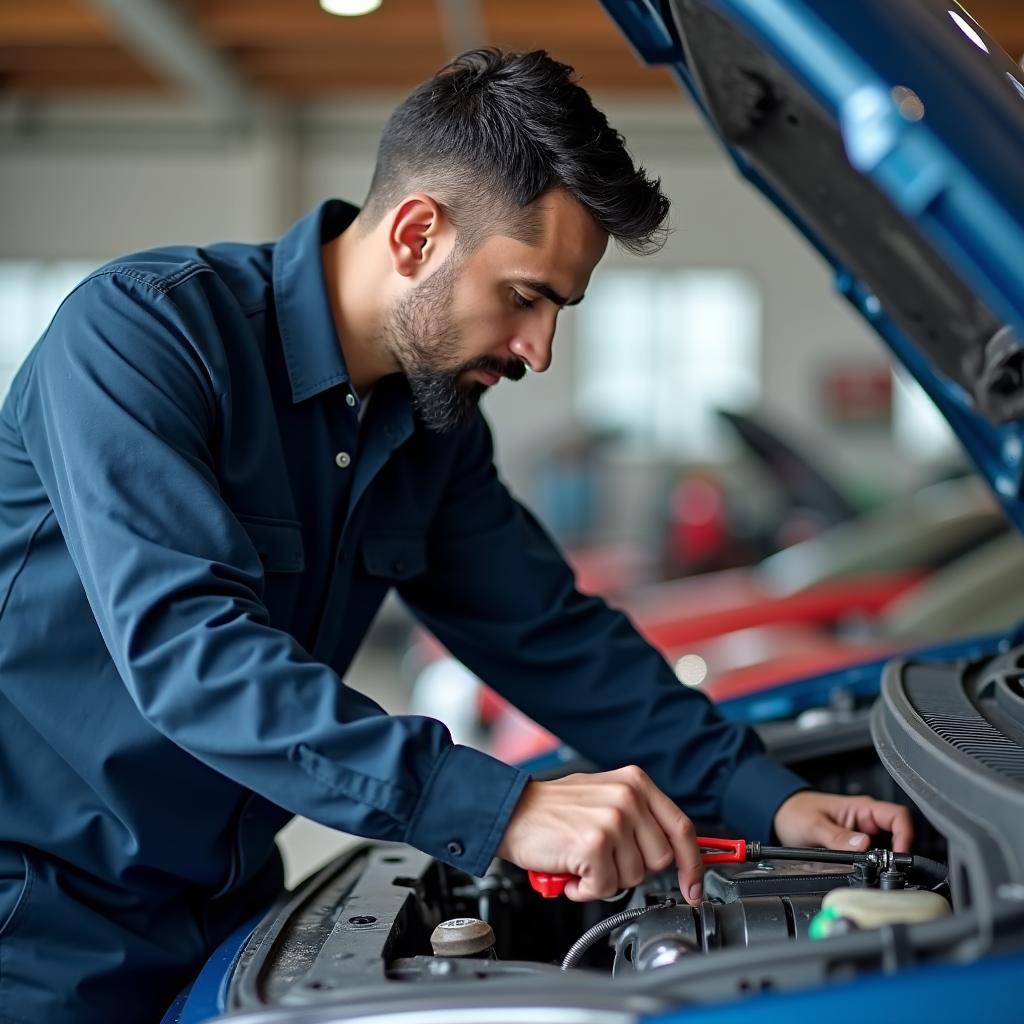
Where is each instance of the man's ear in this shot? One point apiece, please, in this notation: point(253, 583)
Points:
point(417, 226)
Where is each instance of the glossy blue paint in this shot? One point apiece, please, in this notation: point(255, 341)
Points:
point(938, 994)
point(207, 995)
point(970, 144)
point(863, 680)
point(788, 699)
point(642, 24)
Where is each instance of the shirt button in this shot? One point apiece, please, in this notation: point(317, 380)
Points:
point(350, 400)
point(343, 460)
point(455, 848)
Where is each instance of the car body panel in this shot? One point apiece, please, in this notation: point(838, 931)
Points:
point(896, 998)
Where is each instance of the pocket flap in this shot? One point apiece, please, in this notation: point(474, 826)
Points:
point(395, 558)
point(278, 543)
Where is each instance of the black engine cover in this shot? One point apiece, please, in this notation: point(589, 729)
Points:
point(746, 905)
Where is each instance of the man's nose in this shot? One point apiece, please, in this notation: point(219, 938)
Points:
point(534, 348)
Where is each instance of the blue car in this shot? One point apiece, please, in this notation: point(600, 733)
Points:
point(891, 134)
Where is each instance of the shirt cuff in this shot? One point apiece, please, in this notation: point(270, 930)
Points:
point(755, 792)
point(464, 808)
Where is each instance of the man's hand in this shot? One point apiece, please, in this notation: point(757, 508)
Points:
point(611, 829)
point(841, 822)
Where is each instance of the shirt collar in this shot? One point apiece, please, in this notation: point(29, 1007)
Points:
point(312, 352)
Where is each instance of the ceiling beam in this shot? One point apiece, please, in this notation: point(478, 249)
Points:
point(161, 36)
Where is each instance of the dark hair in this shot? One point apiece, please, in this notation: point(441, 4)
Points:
point(492, 131)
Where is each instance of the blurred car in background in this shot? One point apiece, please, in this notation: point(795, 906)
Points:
point(708, 528)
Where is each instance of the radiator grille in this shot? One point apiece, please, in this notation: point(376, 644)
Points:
point(949, 714)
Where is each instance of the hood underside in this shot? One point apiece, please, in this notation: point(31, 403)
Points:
point(891, 135)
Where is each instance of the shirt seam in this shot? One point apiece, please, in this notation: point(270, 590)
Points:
point(336, 787)
point(163, 285)
point(163, 290)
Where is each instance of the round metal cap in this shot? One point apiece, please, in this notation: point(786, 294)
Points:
point(462, 936)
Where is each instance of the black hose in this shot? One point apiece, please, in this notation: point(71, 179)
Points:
point(935, 871)
point(811, 853)
point(605, 927)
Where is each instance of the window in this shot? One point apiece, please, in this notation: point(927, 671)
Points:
point(30, 292)
point(918, 428)
point(660, 351)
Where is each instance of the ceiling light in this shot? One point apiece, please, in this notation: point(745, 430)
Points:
point(350, 8)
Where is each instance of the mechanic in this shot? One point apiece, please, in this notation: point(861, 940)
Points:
point(213, 467)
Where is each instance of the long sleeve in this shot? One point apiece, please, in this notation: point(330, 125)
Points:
point(120, 413)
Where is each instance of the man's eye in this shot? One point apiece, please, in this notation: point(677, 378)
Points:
point(521, 301)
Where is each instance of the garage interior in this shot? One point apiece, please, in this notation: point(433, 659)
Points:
point(126, 124)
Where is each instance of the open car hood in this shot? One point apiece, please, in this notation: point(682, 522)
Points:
point(891, 133)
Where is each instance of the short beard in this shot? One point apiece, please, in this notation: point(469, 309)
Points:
point(423, 339)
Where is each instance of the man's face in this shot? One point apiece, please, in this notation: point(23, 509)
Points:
point(492, 314)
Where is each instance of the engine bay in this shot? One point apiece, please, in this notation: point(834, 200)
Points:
point(384, 920)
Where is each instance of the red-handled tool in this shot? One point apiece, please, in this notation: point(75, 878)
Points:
point(712, 851)
point(548, 884)
point(734, 851)
point(740, 851)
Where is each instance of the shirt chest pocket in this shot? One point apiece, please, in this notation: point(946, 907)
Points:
point(395, 558)
point(278, 542)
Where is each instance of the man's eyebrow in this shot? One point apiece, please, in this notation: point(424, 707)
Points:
point(543, 288)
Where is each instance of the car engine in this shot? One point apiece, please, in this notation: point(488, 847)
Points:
point(948, 739)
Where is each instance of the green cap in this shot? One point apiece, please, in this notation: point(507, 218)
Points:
point(822, 923)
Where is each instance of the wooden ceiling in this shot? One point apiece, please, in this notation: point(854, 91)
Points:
point(290, 49)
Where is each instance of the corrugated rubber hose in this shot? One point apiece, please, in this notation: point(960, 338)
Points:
point(605, 927)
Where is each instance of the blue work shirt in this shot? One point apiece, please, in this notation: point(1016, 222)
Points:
point(196, 532)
